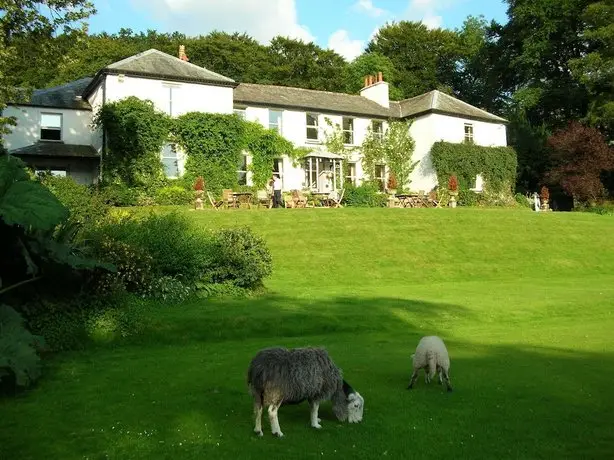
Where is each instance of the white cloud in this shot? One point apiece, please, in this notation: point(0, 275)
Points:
point(367, 6)
point(428, 11)
point(262, 20)
point(341, 42)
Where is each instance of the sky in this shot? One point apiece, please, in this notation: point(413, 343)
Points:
point(345, 26)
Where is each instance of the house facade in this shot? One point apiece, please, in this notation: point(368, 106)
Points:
point(54, 129)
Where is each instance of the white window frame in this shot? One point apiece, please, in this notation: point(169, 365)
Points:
point(172, 147)
point(350, 173)
point(350, 131)
point(381, 178)
point(316, 126)
point(170, 87)
point(468, 132)
point(276, 126)
point(378, 133)
point(52, 128)
point(243, 172)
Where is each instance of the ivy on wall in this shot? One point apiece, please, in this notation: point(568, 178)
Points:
point(497, 165)
point(135, 133)
point(394, 149)
point(214, 144)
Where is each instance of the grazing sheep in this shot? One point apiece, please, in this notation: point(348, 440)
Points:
point(278, 376)
point(432, 356)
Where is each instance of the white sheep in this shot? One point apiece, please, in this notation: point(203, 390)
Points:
point(432, 356)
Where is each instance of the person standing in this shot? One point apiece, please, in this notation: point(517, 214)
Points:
point(277, 192)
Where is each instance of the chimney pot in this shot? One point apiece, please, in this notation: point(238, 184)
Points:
point(366, 81)
point(182, 54)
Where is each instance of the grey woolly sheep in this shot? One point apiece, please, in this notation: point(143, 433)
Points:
point(432, 356)
point(278, 376)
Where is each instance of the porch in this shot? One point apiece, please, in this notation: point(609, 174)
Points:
point(323, 172)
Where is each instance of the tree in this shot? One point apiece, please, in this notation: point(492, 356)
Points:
point(39, 21)
point(579, 158)
point(425, 58)
point(371, 64)
point(305, 65)
point(595, 69)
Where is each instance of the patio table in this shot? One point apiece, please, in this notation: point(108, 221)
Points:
point(243, 198)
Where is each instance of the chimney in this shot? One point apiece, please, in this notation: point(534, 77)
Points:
point(376, 89)
point(182, 54)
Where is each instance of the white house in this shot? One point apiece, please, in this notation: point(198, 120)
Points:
point(54, 129)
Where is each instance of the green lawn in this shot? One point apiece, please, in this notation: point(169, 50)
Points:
point(523, 301)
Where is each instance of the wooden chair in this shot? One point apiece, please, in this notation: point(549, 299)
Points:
point(217, 204)
point(433, 199)
point(299, 200)
point(228, 198)
point(335, 201)
point(264, 198)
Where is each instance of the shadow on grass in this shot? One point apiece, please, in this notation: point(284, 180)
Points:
point(275, 316)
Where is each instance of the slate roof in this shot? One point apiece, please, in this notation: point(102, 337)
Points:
point(156, 64)
point(438, 102)
point(63, 96)
point(307, 99)
point(56, 149)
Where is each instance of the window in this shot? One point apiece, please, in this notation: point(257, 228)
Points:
point(378, 128)
point(275, 120)
point(468, 132)
point(350, 173)
point(170, 160)
point(348, 131)
point(240, 113)
point(479, 183)
point(242, 171)
point(51, 126)
point(54, 172)
point(380, 176)
point(312, 127)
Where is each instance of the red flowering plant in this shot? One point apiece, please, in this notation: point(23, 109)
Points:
point(392, 182)
point(199, 185)
point(544, 194)
point(453, 184)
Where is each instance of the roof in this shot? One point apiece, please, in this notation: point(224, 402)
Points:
point(156, 64)
point(308, 99)
point(56, 149)
point(62, 97)
point(438, 102)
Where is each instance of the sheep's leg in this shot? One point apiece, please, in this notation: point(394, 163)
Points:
point(275, 428)
point(315, 421)
point(412, 379)
point(440, 372)
point(446, 377)
point(258, 415)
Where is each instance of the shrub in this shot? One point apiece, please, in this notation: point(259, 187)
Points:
point(453, 184)
point(19, 360)
point(365, 195)
point(239, 256)
point(173, 195)
point(544, 194)
point(177, 248)
point(119, 195)
point(84, 203)
point(522, 200)
point(168, 289)
point(468, 198)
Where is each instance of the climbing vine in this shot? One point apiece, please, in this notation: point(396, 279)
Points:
point(497, 165)
point(395, 149)
point(135, 133)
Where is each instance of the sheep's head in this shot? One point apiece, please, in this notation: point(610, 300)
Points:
point(348, 404)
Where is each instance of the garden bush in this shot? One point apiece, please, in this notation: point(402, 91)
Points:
point(239, 256)
point(84, 203)
point(120, 195)
point(365, 195)
point(468, 198)
point(173, 195)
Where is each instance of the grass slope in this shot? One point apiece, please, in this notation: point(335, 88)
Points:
point(524, 302)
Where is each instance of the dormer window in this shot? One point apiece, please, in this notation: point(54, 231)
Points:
point(51, 126)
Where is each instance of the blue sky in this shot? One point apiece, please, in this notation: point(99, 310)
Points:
point(343, 25)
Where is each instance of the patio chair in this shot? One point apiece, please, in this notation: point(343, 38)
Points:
point(217, 204)
point(433, 200)
point(299, 200)
point(228, 198)
point(264, 198)
point(336, 198)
